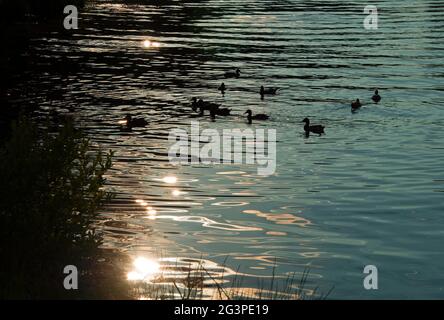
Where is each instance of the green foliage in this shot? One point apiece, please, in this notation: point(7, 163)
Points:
point(50, 192)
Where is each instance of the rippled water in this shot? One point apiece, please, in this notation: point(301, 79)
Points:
point(368, 192)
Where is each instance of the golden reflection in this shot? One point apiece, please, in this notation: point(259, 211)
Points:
point(144, 269)
point(143, 203)
point(280, 218)
point(176, 192)
point(276, 233)
point(150, 44)
point(151, 213)
point(170, 179)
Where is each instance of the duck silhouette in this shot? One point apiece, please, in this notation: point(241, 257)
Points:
point(268, 91)
point(132, 123)
point(259, 116)
point(376, 97)
point(232, 74)
point(203, 105)
point(222, 88)
point(223, 111)
point(356, 104)
point(315, 129)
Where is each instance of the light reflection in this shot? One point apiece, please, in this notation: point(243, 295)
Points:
point(151, 213)
point(280, 218)
point(142, 202)
point(150, 44)
point(145, 269)
point(170, 179)
point(176, 192)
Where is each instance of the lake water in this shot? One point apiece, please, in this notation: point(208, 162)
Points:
point(368, 192)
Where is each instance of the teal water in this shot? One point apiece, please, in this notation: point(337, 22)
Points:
point(370, 191)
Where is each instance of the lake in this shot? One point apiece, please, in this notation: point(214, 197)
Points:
point(368, 192)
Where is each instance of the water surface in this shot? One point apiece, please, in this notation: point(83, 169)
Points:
point(368, 192)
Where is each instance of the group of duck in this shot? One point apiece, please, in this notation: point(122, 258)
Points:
point(214, 109)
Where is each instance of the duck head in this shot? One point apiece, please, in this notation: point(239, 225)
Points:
point(306, 120)
point(248, 112)
point(128, 118)
point(376, 91)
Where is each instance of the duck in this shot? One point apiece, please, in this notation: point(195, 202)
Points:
point(272, 91)
point(315, 129)
point(222, 88)
point(356, 104)
point(203, 105)
point(213, 114)
point(259, 116)
point(376, 97)
point(233, 74)
point(132, 123)
point(223, 111)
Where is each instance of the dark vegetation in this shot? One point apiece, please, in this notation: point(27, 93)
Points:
point(51, 191)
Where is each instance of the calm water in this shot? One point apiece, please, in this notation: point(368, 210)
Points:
point(368, 192)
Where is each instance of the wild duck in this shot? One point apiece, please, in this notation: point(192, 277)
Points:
point(263, 91)
point(233, 74)
point(356, 104)
point(315, 129)
point(376, 97)
point(203, 105)
point(133, 122)
point(222, 88)
point(259, 116)
point(223, 111)
point(213, 114)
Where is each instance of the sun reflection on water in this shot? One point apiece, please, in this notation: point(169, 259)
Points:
point(170, 179)
point(150, 44)
point(144, 269)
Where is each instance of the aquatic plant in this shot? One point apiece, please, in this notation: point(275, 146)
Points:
point(51, 191)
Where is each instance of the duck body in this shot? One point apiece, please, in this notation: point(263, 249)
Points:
point(222, 88)
point(356, 104)
point(268, 91)
point(376, 97)
point(315, 128)
point(259, 116)
point(203, 105)
point(133, 123)
point(232, 74)
point(223, 111)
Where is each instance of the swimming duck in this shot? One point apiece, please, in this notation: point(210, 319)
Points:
point(259, 116)
point(356, 104)
point(315, 129)
point(213, 114)
point(133, 123)
point(376, 97)
point(223, 111)
point(263, 91)
point(222, 88)
point(233, 74)
point(203, 105)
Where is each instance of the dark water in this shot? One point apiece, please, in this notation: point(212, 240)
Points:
point(368, 192)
